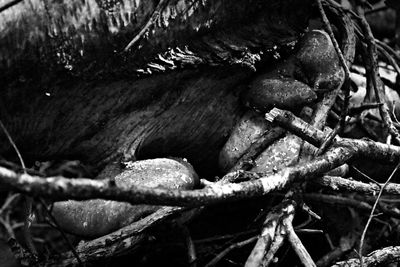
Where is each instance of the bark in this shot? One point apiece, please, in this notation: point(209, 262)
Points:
point(162, 115)
point(70, 92)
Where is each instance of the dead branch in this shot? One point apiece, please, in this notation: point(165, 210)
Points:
point(346, 244)
point(222, 254)
point(272, 236)
point(28, 200)
point(338, 200)
point(58, 188)
point(382, 257)
point(375, 79)
point(360, 251)
point(296, 243)
point(156, 13)
point(246, 161)
point(342, 60)
point(191, 250)
point(119, 242)
point(9, 4)
point(339, 184)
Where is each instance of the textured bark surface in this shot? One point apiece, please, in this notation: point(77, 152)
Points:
point(186, 114)
point(87, 38)
point(69, 91)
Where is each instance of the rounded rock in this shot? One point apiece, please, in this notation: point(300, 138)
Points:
point(249, 128)
point(317, 62)
point(97, 217)
point(286, 93)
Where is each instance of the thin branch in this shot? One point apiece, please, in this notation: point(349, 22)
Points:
point(333, 199)
point(328, 141)
point(296, 243)
point(157, 11)
point(9, 4)
point(372, 213)
point(358, 110)
point(7, 227)
point(346, 244)
point(59, 188)
point(64, 236)
point(118, 242)
point(365, 175)
point(13, 145)
point(389, 58)
point(270, 136)
point(388, 49)
point(28, 200)
point(191, 250)
point(223, 253)
point(379, 9)
point(275, 246)
point(381, 257)
point(272, 236)
point(339, 184)
point(310, 213)
point(342, 60)
point(375, 79)
point(328, 27)
point(11, 197)
point(223, 237)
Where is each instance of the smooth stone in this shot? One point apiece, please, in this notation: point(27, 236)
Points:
point(284, 93)
point(97, 217)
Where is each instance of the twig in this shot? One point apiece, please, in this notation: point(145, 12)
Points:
point(381, 257)
point(308, 231)
point(156, 13)
point(333, 199)
point(272, 235)
point(328, 141)
point(64, 236)
point(223, 253)
point(346, 244)
point(244, 163)
point(379, 9)
point(7, 226)
point(28, 200)
point(388, 49)
point(375, 79)
point(27, 224)
point(339, 183)
point(328, 27)
point(309, 211)
point(342, 60)
point(296, 243)
point(13, 145)
point(228, 236)
point(9, 200)
point(118, 242)
point(318, 120)
point(357, 110)
point(9, 4)
point(364, 175)
point(58, 188)
point(191, 251)
point(275, 246)
point(372, 213)
point(236, 176)
point(389, 58)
